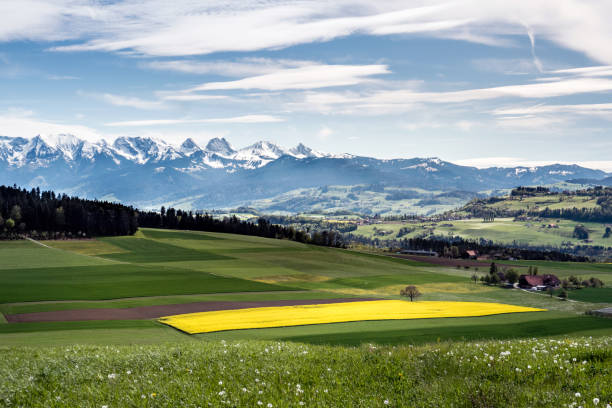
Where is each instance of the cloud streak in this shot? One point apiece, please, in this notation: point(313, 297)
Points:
point(385, 101)
point(308, 77)
point(168, 122)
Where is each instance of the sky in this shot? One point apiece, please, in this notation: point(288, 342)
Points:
point(476, 82)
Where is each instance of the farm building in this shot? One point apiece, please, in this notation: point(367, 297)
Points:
point(538, 281)
point(472, 254)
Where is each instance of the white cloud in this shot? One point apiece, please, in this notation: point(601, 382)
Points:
point(595, 109)
point(235, 119)
point(131, 102)
point(27, 126)
point(240, 68)
point(389, 101)
point(189, 97)
point(124, 101)
point(324, 133)
point(187, 27)
point(307, 77)
point(597, 71)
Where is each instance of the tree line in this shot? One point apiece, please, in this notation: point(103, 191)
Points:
point(46, 215)
point(186, 220)
point(457, 247)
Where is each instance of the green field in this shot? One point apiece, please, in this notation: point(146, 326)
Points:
point(502, 230)
point(421, 362)
point(160, 267)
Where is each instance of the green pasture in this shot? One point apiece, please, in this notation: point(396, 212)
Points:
point(31, 307)
point(113, 282)
point(157, 267)
point(502, 230)
point(553, 202)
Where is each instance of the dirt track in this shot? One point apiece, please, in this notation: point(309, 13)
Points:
point(153, 312)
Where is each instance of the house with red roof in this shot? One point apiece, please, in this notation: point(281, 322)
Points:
point(539, 281)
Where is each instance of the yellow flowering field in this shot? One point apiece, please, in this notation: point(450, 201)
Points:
point(260, 317)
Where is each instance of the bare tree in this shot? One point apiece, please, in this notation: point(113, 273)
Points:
point(475, 278)
point(410, 291)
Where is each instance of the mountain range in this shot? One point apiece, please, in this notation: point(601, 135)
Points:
point(148, 173)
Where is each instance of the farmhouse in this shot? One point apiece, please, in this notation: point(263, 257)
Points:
point(539, 282)
point(472, 254)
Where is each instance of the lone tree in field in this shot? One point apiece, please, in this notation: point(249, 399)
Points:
point(410, 291)
point(512, 276)
point(475, 278)
point(492, 269)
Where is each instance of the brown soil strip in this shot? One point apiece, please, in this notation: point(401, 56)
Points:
point(153, 312)
point(450, 262)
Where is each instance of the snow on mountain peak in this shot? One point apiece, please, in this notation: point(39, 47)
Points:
point(301, 151)
point(189, 147)
point(220, 146)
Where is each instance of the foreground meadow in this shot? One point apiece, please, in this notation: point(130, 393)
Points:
point(569, 372)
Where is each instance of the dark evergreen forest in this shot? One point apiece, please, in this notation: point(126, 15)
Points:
point(45, 215)
point(187, 220)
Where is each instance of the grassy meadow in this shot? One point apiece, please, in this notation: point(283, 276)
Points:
point(419, 362)
point(535, 373)
point(502, 230)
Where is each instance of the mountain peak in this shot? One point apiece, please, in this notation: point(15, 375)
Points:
point(220, 146)
point(189, 146)
point(302, 151)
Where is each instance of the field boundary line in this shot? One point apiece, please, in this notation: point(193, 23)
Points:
point(42, 302)
point(39, 243)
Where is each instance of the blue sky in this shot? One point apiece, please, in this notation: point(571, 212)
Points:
point(477, 82)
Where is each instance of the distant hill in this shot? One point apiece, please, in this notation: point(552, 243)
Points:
point(593, 182)
point(589, 205)
point(149, 173)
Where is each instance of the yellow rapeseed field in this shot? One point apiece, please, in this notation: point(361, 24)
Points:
point(281, 316)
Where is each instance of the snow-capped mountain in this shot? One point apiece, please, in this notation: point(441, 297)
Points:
point(44, 149)
point(149, 172)
point(220, 146)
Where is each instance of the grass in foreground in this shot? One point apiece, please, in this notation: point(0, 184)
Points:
point(536, 373)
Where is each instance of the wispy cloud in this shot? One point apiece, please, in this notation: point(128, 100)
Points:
point(25, 124)
point(189, 97)
point(386, 101)
point(62, 77)
point(185, 27)
point(166, 122)
point(596, 109)
point(126, 101)
point(308, 77)
point(240, 68)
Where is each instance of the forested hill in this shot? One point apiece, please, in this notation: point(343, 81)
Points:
point(47, 215)
point(187, 220)
point(587, 205)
